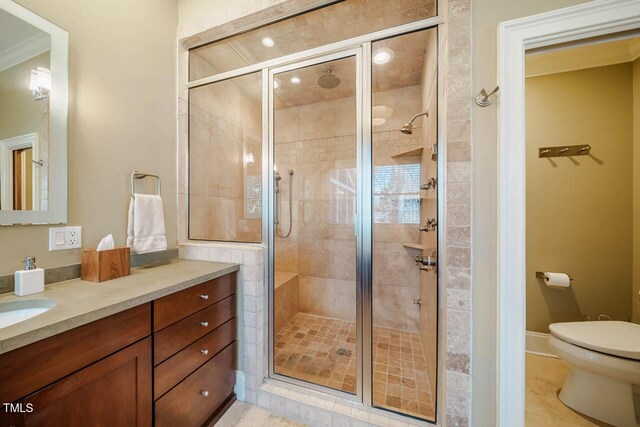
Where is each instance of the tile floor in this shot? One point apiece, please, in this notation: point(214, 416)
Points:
point(321, 350)
point(243, 414)
point(544, 379)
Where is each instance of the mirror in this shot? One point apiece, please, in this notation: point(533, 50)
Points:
point(33, 118)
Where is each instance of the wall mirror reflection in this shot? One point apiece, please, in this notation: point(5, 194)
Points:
point(25, 83)
point(33, 117)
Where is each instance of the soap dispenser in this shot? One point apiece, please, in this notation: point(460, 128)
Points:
point(30, 280)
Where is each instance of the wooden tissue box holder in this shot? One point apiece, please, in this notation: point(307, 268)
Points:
point(100, 266)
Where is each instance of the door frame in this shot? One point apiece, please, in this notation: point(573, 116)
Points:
point(597, 18)
point(7, 147)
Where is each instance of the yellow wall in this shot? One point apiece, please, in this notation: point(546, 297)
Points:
point(635, 296)
point(579, 210)
point(486, 15)
point(122, 117)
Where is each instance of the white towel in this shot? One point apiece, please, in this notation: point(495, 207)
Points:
point(145, 232)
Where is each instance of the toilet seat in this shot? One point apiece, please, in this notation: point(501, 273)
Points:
point(615, 338)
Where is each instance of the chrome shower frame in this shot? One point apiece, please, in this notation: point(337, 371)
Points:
point(360, 46)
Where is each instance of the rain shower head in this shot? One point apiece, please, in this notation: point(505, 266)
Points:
point(329, 80)
point(407, 128)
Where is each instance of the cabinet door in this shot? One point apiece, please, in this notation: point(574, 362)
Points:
point(115, 391)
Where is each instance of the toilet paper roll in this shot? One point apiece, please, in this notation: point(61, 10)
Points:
point(559, 280)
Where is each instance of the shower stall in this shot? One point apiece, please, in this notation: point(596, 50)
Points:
point(347, 203)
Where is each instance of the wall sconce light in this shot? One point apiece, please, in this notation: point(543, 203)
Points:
point(40, 83)
point(249, 159)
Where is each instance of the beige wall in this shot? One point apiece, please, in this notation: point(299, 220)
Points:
point(486, 15)
point(635, 296)
point(579, 210)
point(122, 115)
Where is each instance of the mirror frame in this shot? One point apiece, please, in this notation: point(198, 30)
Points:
point(58, 115)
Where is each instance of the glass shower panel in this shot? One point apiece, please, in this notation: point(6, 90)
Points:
point(315, 246)
point(404, 312)
point(225, 160)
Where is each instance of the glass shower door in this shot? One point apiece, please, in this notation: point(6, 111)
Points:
point(315, 182)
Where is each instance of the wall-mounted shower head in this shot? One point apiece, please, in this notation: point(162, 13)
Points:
point(329, 80)
point(407, 128)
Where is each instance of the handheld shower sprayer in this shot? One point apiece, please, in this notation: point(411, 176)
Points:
point(278, 178)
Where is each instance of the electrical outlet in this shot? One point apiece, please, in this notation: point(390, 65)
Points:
point(61, 238)
point(74, 237)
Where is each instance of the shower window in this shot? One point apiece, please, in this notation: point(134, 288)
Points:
point(396, 198)
point(225, 160)
point(312, 29)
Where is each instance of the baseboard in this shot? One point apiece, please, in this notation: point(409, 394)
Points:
point(238, 389)
point(538, 343)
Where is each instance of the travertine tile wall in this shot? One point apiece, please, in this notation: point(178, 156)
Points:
point(321, 247)
point(458, 204)
point(220, 134)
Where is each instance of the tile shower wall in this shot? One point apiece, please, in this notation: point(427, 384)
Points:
point(220, 134)
point(317, 141)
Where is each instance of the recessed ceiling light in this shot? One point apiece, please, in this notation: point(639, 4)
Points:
point(268, 42)
point(295, 80)
point(383, 55)
point(378, 121)
point(276, 83)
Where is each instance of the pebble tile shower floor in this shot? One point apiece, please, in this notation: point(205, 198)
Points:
point(321, 350)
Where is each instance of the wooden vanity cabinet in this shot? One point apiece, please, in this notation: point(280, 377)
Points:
point(103, 373)
point(115, 391)
point(98, 374)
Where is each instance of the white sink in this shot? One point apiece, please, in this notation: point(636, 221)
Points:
point(17, 311)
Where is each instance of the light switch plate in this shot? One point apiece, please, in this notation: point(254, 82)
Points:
point(61, 238)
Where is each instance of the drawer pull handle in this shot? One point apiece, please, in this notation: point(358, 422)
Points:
point(204, 296)
point(204, 324)
point(204, 393)
point(204, 351)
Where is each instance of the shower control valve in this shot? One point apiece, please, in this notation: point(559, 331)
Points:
point(429, 261)
point(432, 183)
point(431, 225)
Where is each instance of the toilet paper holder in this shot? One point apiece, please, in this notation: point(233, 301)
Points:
point(541, 275)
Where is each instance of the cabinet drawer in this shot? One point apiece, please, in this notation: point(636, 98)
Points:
point(171, 340)
point(30, 368)
point(196, 399)
point(176, 368)
point(170, 309)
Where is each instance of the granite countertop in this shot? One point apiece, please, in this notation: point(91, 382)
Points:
point(79, 302)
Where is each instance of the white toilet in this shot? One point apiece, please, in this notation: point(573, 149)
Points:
point(604, 362)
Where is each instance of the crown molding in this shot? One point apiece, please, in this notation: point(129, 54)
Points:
point(25, 50)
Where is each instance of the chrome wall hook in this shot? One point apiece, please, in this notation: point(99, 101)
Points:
point(485, 99)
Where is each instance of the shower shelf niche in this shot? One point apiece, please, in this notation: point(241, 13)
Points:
point(417, 246)
point(411, 153)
